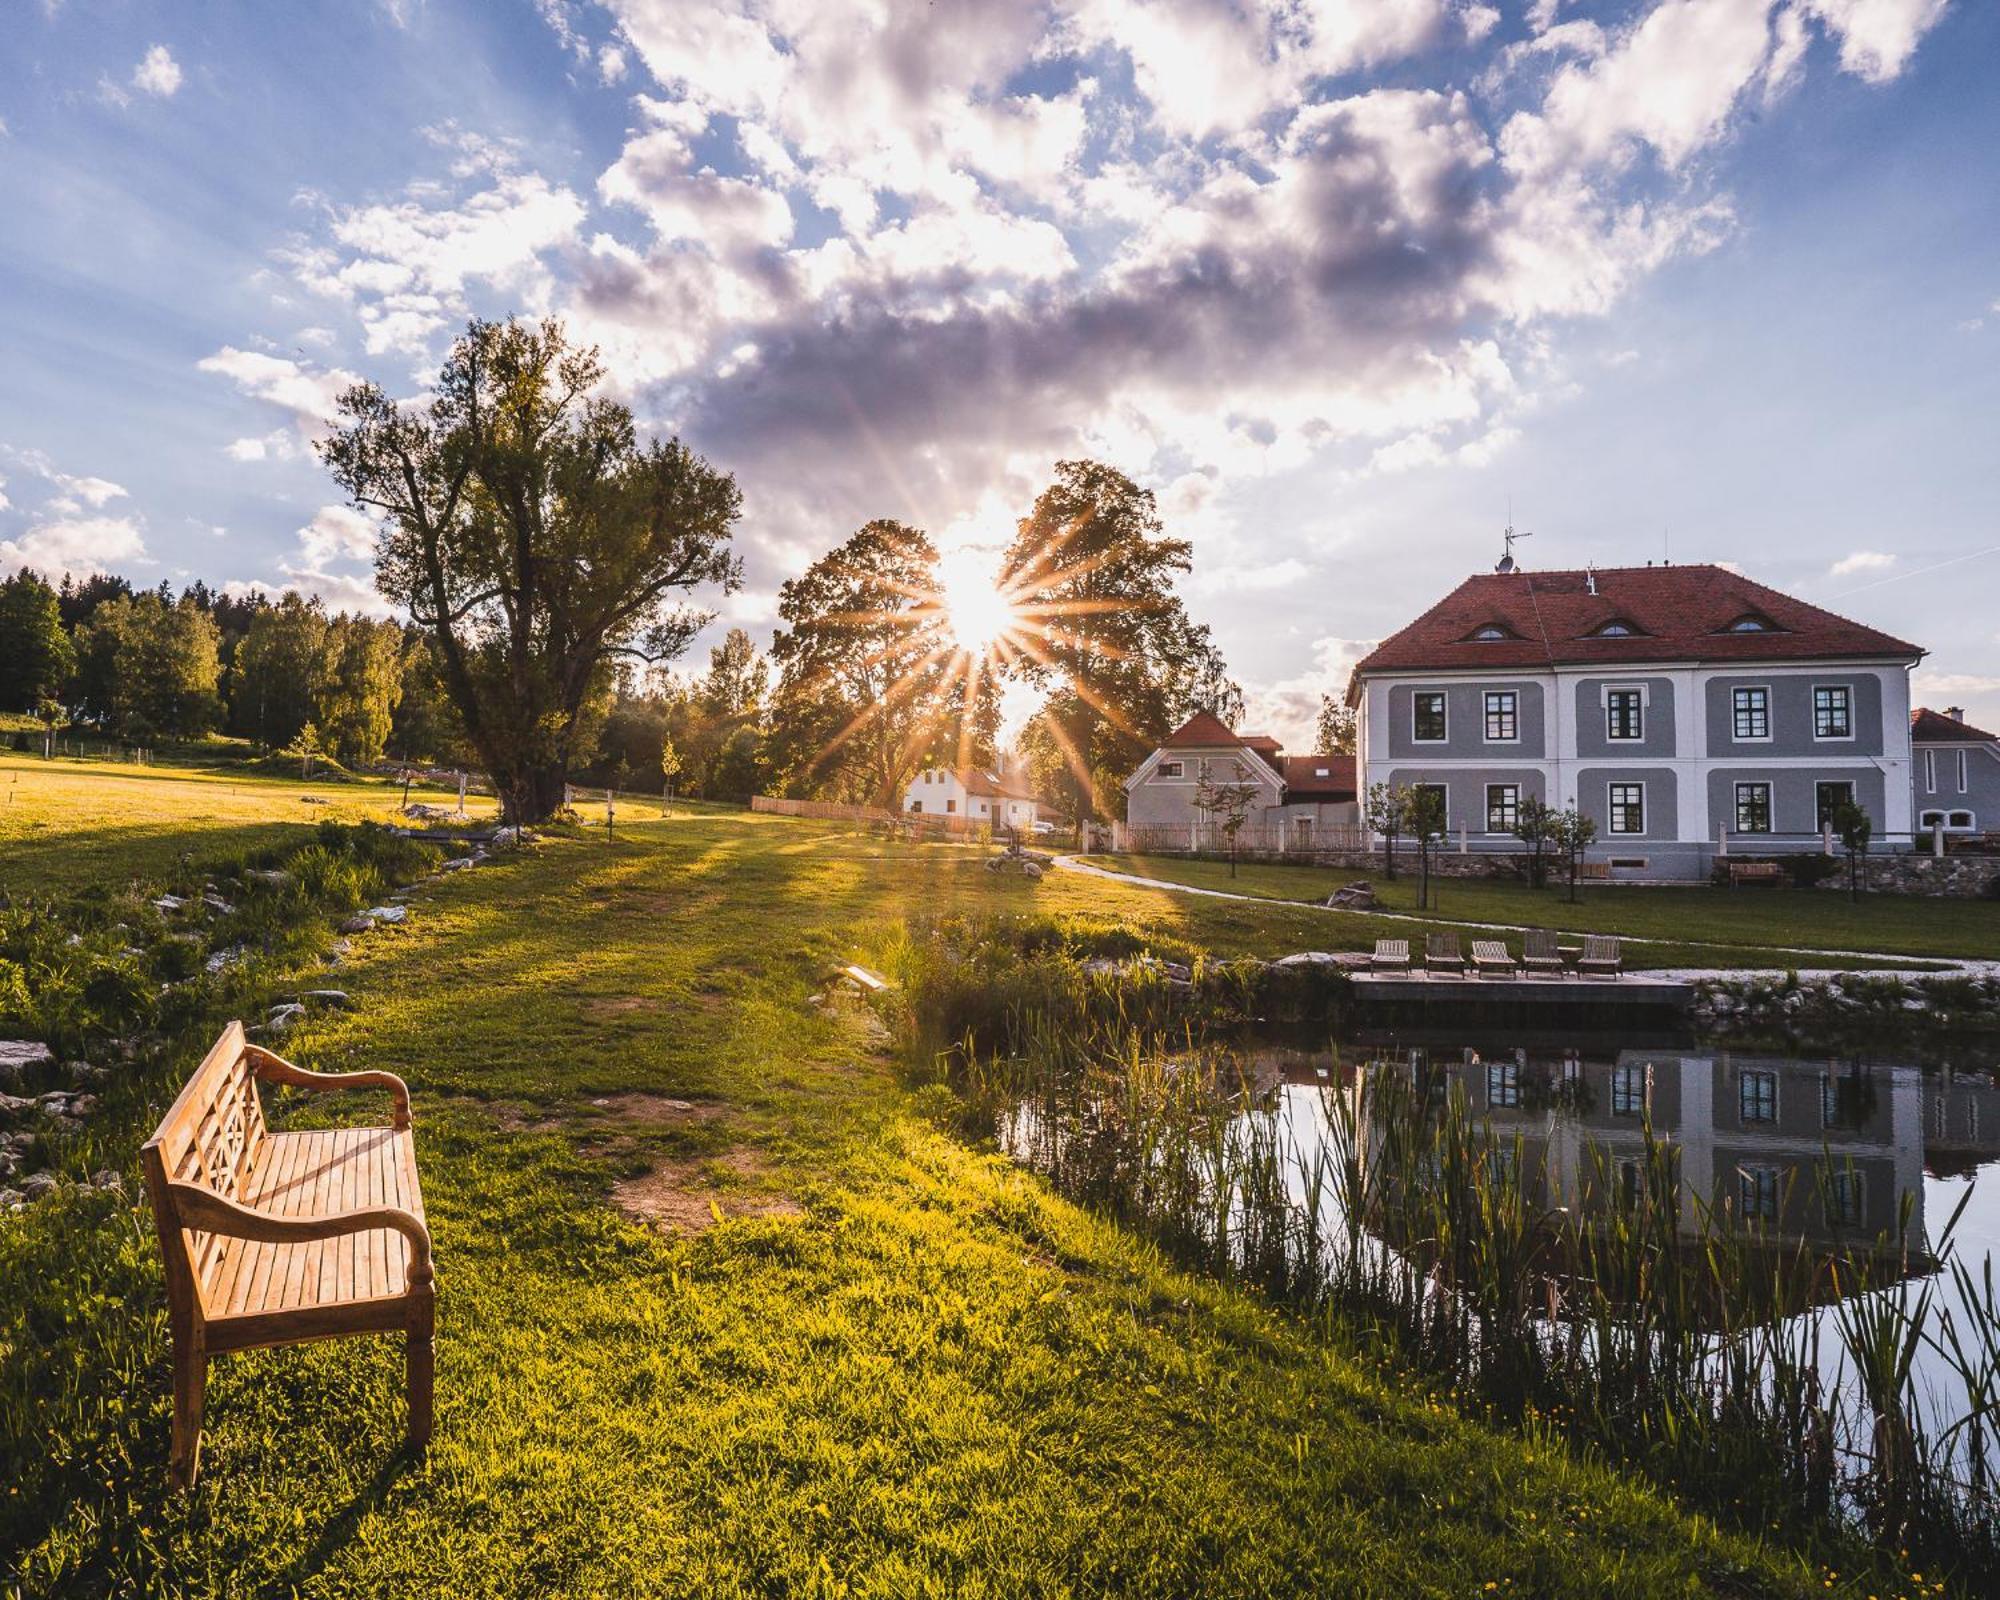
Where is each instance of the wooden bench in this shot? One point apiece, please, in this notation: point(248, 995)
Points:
point(1490, 955)
point(1755, 872)
point(1391, 955)
point(278, 1238)
point(1442, 954)
point(1602, 956)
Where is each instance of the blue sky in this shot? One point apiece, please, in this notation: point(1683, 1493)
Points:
point(1341, 279)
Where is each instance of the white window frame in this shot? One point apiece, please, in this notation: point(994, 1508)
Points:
point(1515, 807)
point(1638, 689)
point(1759, 1076)
point(1846, 690)
point(1628, 1089)
point(1962, 772)
point(1444, 710)
point(1170, 771)
point(1769, 807)
point(1930, 772)
point(1611, 808)
point(1969, 825)
point(1487, 714)
point(1735, 726)
point(1853, 798)
point(1503, 1085)
point(1753, 1183)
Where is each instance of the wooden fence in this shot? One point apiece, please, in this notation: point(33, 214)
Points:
point(1288, 842)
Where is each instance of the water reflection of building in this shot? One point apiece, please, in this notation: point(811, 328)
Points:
point(1824, 1153)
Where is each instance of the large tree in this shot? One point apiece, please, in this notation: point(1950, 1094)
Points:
point(1091, 575)
point(148, 668)
point(272, 677)
point(355, 690)
point(36, 656)
point(872, 683)
point(535, 538)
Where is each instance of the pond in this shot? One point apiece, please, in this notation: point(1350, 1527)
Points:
point(1788, 1258)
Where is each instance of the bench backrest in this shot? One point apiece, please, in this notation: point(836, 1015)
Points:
point(1490, 950)
point(211, 1135)
point(1541, 944)
point(1600, 947)
point(1392, 949)
point(1443, 947)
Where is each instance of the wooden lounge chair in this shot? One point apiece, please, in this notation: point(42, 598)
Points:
point(1490, 955)
point(1391, 955)
point(1540, 953)
point(1600, 956)
point(1442, 954)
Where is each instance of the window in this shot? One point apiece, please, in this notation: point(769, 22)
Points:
point(1757, 1097)
point(1753, 808)
point(1428, 717)
point(1169, 769)
point(951, 805)
point(1961, 772)
point(1844, 1198)
point(1624, 714)
point(1631, 1182)
point(1959, 822)
point(1930, 772)
point(1502, 723)
point(1833, 711)
point(1503, 1084)
point(1751, 624)
point(1752, 708)
point(1490, 632)
point(1617, 628)
point(1830, 796)
point(1628, 808)
point(1930, 820)
point(917, 804)
point(1757, 1193)
point(1628, 1089)
point(1503, 807)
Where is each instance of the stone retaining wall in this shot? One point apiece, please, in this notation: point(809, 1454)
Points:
point(1958, 877)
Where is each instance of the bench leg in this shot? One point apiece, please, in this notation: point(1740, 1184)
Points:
point(190, 1387)
point(420, 1366)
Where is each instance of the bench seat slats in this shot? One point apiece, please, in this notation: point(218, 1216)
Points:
point(311, 1174)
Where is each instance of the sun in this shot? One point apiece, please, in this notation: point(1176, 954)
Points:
point(976, 609)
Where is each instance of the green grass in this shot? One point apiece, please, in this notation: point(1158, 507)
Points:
point(930, 1377)
point(1767, 919)
point(66, 823)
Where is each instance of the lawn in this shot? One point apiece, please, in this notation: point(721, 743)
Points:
point(68, 822)
point(895, 1367)
point(1752, 918)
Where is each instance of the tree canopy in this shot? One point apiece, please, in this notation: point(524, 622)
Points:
point(36, 656)
point(535, 539)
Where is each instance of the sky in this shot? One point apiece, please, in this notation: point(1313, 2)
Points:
point(1351, 285)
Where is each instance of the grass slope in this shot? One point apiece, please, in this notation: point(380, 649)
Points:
point(1753, 919)
point(64, 823)
point(927, 1377)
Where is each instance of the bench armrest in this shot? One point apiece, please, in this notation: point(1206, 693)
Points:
point(272, 1068)
point(197, 1207)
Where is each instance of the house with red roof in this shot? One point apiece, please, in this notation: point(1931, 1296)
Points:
point(1957, 773)
point(972, 796)
point(1688, 710)
point(1299, 799)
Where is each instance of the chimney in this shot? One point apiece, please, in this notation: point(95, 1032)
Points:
point(1956, 713)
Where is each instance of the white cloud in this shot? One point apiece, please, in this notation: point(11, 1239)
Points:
point(1877, 36)
point(157, 73)
point(75, 546)
point(1289, 708)
point(1950, 683)
point(1861, 561)
point(611, 65)
point(304, 390)
point(337, 533)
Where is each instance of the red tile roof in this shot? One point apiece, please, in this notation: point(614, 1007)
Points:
point(1203, 731)
point(990, 785)
point(1303, 780)
point(1934, 727)
point(1675, 614)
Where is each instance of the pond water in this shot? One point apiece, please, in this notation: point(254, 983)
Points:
point(1876, 1173)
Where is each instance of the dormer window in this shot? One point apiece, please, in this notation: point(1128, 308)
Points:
point(1492, 632)
point(1752, 622)
point(1616, 628)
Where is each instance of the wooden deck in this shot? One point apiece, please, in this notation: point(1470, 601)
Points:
point(1423, 988)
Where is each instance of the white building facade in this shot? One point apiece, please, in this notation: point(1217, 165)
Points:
point(971, 797)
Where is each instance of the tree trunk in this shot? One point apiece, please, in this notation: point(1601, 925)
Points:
point(531, 794)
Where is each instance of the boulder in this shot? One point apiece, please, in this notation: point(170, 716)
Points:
point(37, 1184)
point(18, 1057)
point(282, 1018)
point(14, 1107)
point(217, 904)
point(358, 923)
point(169, 903)
point(80, 1105)
point(12, 1200)
point(379, 914)
point(337, 998)
point(459, 863)
point(223, 960)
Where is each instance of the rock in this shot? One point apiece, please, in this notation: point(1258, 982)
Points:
point(55, 1102)
point(12, 1200)
point(378, 914)
point(13, 1107)
point(18, 1057)
point(282, 1018)
point(107, 1179)
point(338, 998)
point(37, 1184)
point(458, 863)
point(82, 1072)
point(81, 1105)
point(169, 903)
point(276, 877)
point(217, 904)
point(223, 960)
point(1310, 958)
point(353, 924)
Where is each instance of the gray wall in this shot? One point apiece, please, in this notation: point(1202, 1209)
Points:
point(1465, 722)
point(1792, 715)
point(1169, 802)
point(1657, 723)
point(1465, 797)
point(1982, 780)
point(1662, 804)
point(1792, 797)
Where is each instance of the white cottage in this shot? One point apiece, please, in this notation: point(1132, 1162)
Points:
point(971, 794)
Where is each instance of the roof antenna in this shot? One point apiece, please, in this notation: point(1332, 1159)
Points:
point(1508, 536)
point(1590, 575)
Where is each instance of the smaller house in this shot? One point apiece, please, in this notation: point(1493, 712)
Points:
point(1300, 800)
point(971, 794)
point(1955, 773)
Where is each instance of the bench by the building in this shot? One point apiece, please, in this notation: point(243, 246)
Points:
point(278, 1238)
point(1756, 872)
